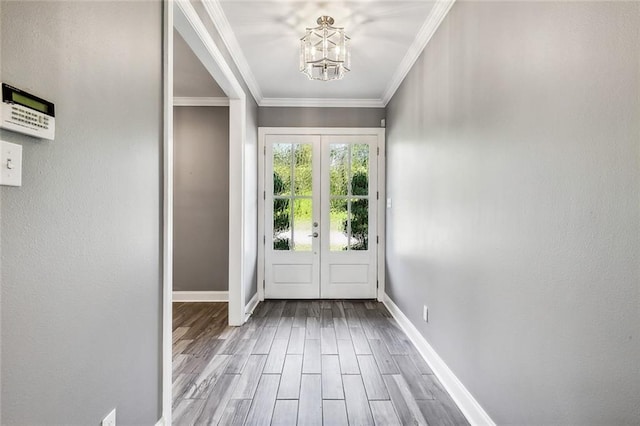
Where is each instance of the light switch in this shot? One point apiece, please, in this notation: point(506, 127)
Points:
point(388, 203)
point(10, 164)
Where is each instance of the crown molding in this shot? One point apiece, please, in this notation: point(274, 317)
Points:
point(428, 29)
point(220, 21)
point(322, 103)
point(192, 101)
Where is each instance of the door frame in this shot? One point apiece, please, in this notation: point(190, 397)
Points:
point(380, 204)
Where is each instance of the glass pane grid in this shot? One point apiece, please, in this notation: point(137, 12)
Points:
point(349, 197)
point(292, 196)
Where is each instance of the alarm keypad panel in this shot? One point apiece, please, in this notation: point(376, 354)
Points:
point(25, 113)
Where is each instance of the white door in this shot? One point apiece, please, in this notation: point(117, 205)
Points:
point(320, 216)
point(292, 215)
point(348, 217)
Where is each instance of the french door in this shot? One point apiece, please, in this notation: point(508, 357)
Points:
point(320, 224)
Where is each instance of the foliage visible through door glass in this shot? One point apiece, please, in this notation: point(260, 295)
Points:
point(302, 226)
point(302, 174)
point(339, 169)
point(360, 169)
point(282, 168)
point(359, 184)
point(359, 237)
point(337, 217)
point(281, 219)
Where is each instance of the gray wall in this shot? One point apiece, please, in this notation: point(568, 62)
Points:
point(251, 163)
point(513, 150)
point(201, 198)
point(319, 117)
point(190, 77)
point(81, 309)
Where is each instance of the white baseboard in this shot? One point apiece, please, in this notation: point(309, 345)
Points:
point(474, 413)
point(200, 296)
point(249, 308)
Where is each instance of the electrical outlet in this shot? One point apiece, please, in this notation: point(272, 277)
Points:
point(425, 313)
point(110, 420)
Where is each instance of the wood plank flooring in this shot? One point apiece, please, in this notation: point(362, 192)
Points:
point(302, 363)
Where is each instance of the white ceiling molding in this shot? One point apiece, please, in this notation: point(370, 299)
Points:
point(428, 29)
point(186, 101)
point(221, 23)
point(322, 103)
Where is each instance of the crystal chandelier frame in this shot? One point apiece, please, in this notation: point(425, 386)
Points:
point(324, 51)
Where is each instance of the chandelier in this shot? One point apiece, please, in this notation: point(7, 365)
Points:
point(324, 51)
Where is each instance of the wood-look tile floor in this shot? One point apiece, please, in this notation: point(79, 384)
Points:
point(302, 362)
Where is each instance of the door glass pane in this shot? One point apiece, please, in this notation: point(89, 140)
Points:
point(302, 174)
point(302, 224)
point(360, 169)
point(282, 168)
point(359, 224)
point(338, 225)
point(281, 224)
point(339, 169)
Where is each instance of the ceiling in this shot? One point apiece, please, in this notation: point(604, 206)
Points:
point(263, 39)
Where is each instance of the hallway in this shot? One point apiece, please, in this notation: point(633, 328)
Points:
point(320, 362)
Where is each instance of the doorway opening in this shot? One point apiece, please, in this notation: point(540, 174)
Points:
point(181, 16)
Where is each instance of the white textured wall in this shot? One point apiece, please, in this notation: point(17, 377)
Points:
point(81, 286)
point(513, 165)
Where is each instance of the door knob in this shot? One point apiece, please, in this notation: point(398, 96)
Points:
point(314, 235)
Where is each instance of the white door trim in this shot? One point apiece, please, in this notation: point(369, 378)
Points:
point(181, 15)
point(381, 202)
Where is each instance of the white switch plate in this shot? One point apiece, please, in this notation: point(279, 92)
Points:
point(110, 420)
point(425, 313)
point(388, 203)
point(10, 164)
